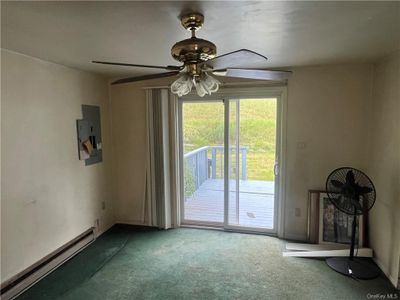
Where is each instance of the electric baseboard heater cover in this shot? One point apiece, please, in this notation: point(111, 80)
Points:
point(25, 279)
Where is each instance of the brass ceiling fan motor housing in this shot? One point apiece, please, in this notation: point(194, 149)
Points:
point(193, 50)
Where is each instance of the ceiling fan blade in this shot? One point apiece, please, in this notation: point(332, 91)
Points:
point(243, 57)
point(254, 74)
point(177, 68)
point(145, 77)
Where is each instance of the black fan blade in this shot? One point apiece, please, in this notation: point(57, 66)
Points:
point(254, 74)
point(357, 205)
point(350, 178)
point(233, 59)
point(337, 183)
point(177, 68)
point(364, 190)
point(146, 77)
point(335, 198)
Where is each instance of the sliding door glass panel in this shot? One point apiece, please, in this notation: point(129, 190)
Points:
point(203, 175)
point(253, 156)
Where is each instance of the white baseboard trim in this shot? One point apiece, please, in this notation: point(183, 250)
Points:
point(394, 281)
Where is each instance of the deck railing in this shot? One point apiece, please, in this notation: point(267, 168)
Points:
point(199, 167)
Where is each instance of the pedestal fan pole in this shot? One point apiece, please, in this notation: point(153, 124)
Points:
point(353, 235)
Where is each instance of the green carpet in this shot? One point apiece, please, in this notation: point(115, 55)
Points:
point(134, 263)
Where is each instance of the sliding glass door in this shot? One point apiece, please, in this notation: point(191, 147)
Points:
point(251, 160)
point(203, 158)
point(229, 163)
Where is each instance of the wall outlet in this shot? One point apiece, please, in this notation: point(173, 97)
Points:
point(103, 205)
point(297, 212)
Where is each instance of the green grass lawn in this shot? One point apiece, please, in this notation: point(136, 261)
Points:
point(204, 126)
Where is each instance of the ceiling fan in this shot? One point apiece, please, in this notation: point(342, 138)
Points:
point(200, 62)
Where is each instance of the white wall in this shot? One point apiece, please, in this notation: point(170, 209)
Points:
point(327, 116)
point(384, 165)
point(48, 196)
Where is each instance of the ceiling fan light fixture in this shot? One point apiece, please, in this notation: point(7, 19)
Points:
point(211, 83)
point(201, 89)
point(206, 84)
point(183, 85)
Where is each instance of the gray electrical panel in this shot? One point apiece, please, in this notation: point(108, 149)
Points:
point(89, 135)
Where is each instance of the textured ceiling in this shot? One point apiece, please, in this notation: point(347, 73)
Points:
point(288, 33)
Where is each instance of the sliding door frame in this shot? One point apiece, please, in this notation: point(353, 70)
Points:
point(232, 93)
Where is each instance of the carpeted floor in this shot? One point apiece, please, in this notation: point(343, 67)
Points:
point(131, 263)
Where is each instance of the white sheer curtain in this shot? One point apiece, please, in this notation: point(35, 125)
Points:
point(162, 172)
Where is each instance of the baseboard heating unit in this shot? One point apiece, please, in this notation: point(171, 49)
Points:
point(23, 280)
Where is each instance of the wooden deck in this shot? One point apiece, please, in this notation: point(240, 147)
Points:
point(256, 203)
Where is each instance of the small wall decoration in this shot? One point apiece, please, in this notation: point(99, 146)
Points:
point(89, 135)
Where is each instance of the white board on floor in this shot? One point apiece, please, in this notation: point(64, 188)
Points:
point(362, 252)
point(315, 247)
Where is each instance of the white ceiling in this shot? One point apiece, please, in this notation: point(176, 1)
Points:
point(288, 33)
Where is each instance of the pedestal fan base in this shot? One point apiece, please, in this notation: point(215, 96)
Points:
point(361, 268)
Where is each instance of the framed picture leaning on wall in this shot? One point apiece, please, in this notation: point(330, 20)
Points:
point(335, 226)
point(315, 221)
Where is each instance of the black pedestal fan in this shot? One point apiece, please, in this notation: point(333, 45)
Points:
point(352, 192)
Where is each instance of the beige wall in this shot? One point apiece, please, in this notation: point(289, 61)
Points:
point(326, 128)
point(48, 196)
point(129, 145)
point(326, 120)
point(384, 162)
